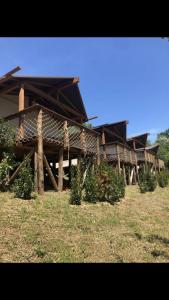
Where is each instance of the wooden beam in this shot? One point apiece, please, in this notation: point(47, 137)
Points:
point(67, 100)
point(36, 169)
point(21, 98)
point(9, 89)
point(60, 170)
point(8, 75)
point(40, 154)
point(52, 178)
point(75, 81)
point(51, 98)
point(98, 151)
point(20, 166)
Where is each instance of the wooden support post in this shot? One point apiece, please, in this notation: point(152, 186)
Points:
point(103, 141)
point(124, 174)
point(60, 170)
point(118, 159)
point(21, 107)
point(40, 153)
point(36, 169)
point(12, 178)
point(52, 178)
point(134, 175)
point(98, 151)
point(131, 175)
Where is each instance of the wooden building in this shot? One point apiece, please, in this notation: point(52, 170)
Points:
point(48, 115)
point(115, 149)
point(146, 155)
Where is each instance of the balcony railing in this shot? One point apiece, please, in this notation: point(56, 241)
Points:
point(56, 129)
point(116, 150)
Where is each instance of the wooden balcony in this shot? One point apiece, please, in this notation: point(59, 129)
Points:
point(145, 156)
point(56, 130)
point(161, 164)
point(115, 151)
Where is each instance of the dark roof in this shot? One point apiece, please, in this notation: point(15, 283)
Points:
point(46, 84)
point(140, 140)
point(153, 148)
point(114, 132)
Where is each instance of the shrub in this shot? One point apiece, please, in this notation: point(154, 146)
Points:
point(163, 179)
point(7, 134)
point(110, 184)
point(23, 186)
point(90, 186)
point(6, 165)
point(76, 188)
point(147, 181)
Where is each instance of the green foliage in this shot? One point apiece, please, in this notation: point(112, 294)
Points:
point(163, 178)
point(98, 183)
point(6, 165)
point(23, 186)
point(7, 134)
point(110, 184)
point(163, 141)
point(147, 181)
point(90, 186)
point(76, 187)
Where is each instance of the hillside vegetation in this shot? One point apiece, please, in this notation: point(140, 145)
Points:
point(49, 229)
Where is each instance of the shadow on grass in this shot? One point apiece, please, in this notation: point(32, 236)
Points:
point(154, 237)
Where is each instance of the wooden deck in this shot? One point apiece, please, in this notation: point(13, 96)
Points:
point(117, 151)
point(57, 130)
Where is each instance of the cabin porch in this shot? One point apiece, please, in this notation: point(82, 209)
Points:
point(49, 138)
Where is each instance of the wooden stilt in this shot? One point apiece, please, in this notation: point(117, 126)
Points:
point(118, 159)
point(52, 178)
point(12, 178)
point(124, 174)
point(98, 151)
point(36, 170)
point(131, 175)
point(134, 175)
point(60, 170)
point(40, 154)
point(21, 107)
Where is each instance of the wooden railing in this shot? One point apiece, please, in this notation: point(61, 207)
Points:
point(161, 164)
point(115, 150)
point(56, 129)
point(145, 156)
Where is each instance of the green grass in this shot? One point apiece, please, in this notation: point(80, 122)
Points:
point(48, 229)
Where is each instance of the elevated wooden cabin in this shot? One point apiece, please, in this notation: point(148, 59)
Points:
point(146, 155)
point(114, 148)
point(48, 115)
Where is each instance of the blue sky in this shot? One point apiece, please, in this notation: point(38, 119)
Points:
point(120, 78)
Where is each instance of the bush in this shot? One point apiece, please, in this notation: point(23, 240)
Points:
point(110, 184)
point(94, 183)
point(7, 134)
point(90, 186)
point(163, 179)
point(6, 165)
point(23, 186)
point(147, 181)
point(76, 188)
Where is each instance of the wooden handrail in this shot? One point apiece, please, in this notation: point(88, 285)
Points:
point(54, 114)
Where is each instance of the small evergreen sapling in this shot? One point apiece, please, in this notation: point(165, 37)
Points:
point(23, 186)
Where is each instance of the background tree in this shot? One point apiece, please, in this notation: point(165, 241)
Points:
point(163, 141)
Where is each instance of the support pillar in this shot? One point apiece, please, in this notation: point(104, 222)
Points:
point(40, 154)
point(36, 169)
point(60, 170)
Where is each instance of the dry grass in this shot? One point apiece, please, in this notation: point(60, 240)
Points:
point(50, 230)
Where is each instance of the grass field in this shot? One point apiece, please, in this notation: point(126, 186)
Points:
point(50, 230)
